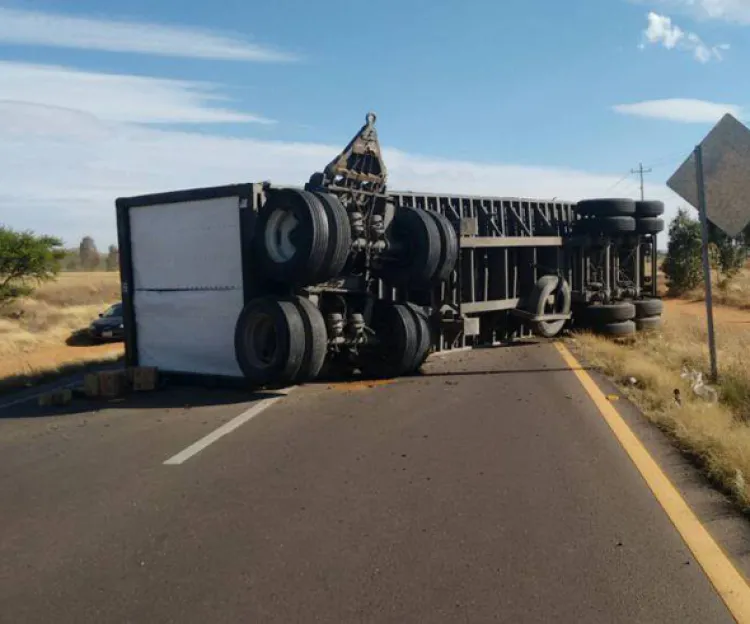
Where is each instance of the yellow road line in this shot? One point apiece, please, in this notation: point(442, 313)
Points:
point(726, 579)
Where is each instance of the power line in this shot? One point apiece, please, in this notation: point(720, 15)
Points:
point(640, 171)
point(620, 181)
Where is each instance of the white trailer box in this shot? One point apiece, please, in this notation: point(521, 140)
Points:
point(185, 272)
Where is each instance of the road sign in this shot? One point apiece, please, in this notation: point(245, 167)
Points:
point(726, 176)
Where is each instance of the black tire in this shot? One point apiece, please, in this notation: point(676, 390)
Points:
point(316, 340)
point(605, 207)
point(339, 236)
point(623, 328)
point(270, 341)
point(424, 337)
point(396, 349)
point(417, 248)
point(649, 209)
point(652, 323)
point(599, 315)
point(649, 225)
point(448, 246)
point(648, 307)
point(308, 240)
point(538, 303)
point(607, 225)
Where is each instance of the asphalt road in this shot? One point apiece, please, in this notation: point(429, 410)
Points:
point(489, 489)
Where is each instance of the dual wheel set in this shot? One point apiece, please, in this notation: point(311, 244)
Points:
point(284, 340)
point(613, 217)
point(306, 238)
point(624, 318)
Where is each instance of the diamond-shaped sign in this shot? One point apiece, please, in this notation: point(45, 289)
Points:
point(726, 176)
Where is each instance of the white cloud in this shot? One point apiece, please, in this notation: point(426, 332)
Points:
point(682, 110)
point(65, 31)
point(734, 11)
point(112, 97)
point(64, 178)
point(661, 31)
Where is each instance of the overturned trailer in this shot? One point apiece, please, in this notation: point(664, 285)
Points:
point(265, 285)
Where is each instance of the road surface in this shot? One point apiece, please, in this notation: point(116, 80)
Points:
point(489, 489)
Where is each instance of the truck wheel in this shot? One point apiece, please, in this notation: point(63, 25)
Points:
point(316, 340)
point(424, 337)
point(652, 323)
point(397, 342)
point(339, 236)
point(649, 209)
point(605, 207)
point(623, 328)
point(649, 225)
point(607, 225)
point(270, 341)
point(416, 248)
point(551, 295)
point(648, 307)
point(291, 237)
point(448, 246)
point(599, 315)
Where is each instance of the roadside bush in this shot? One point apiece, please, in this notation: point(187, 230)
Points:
point(682, 265)
point(731, 254)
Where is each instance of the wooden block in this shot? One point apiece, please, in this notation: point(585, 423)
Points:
point(112, 384)
point(59, 397)
point(144, 378)
point(91, 385)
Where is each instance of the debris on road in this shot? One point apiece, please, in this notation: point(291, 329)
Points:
point(56, 398)
point(698, 386)
point(109, 385)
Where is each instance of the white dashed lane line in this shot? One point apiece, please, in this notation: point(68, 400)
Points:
point(226, 429)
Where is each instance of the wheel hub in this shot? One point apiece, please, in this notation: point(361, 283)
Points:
point(278, 236)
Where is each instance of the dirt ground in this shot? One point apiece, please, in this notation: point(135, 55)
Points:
point(57, 357)
point(38, 333)
point(723, 315)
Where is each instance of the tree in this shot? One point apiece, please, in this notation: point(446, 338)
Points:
point(25, 260)
point(731, 254)
point(113, 258)
point(682, 266)
point(89, 254)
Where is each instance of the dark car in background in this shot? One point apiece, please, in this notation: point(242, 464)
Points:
point(109, 325)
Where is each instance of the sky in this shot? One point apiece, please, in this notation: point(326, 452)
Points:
point(536, 98)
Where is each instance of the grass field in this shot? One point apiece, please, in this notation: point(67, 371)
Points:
point(34, 330)
point(716, 435)
point(734, 293)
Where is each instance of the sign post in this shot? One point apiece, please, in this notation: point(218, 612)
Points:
point(715, 180)
point(701, 190)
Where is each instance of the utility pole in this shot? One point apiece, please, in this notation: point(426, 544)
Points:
point(640, 171)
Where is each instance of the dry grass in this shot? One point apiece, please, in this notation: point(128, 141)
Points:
point(717, 435)
point(77, 289)
point(34, 330)
point(55, 311)
point(734, 292)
